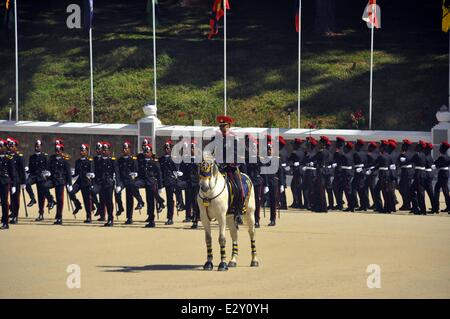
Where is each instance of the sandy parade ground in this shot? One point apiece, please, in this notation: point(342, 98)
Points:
point(307, 255)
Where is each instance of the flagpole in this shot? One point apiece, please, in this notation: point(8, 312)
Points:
point(299, 60)
point(225, 56)
point(371, 71)
point(92, 73)
point(17, 60)
point(154, 50)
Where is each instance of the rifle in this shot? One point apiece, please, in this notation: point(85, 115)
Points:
point(24, 202)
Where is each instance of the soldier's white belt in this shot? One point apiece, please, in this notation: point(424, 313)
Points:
point(383, 168)
point(406, 166)
point(443, 168)
point(346, 167)
point(311, 168)
point(359, 165)
point(420, 168)
point(429, 170)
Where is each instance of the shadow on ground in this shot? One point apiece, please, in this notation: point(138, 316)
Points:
point(149, 268)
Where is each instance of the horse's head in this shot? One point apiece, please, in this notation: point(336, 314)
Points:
point(208, 173)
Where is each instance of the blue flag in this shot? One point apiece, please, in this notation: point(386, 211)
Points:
point(88, 13)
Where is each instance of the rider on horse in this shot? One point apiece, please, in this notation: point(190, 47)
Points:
point(227, 142)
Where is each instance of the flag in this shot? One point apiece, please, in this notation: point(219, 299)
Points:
point(297, 17)
point(216, 14)
point(372, 14)
point(88, 13)
point(445, 15)
point(9, 15)
point(150, 13)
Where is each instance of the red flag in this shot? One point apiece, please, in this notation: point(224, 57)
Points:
point(297, 19)
point(372, 14)
point(216, 14)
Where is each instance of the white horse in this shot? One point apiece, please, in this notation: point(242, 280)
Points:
point(213, 204)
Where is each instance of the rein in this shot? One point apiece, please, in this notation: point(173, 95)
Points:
point(207, 200)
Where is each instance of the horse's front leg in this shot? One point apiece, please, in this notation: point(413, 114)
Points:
point(234, 237)
point(222, 242)
point(208, 239)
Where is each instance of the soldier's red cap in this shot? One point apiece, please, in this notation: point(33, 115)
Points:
point(360, 141)
point(445, 144)
point(59, 141)
point(391, 140)
point(2, 142)
point(422, 144)
point(384, 142)
point(145, 141)
point(329, 143)
point(281, 140)
point(193, 142)
point(340, 139)
point(147, 147)
point(313, 141)
point(349, 145)
point(168, 143)
point(59, 147)
point(407, 142)
point(373, 144)
point(324, 138)
point(430, 146)
point(224, 119)
point(126, 144)
point(12, 140)
point(84, 147)
point(106, 145)
point(298, 141)
point(392, 143)
point(269, 137)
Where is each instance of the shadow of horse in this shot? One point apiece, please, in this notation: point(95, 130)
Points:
point(150, 268)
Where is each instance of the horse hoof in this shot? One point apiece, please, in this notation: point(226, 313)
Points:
point(208, 266)
point(232, 264)
point(254, 263)
point(222, 266)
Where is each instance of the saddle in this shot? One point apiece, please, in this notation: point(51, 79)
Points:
point(232, 191)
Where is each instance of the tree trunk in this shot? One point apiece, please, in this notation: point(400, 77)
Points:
point(325, 20)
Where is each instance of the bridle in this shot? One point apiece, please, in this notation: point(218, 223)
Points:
point(206, 173)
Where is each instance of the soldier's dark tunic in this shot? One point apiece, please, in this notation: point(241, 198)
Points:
point(428, 182)
point(106, 175)
point(36, 165)
point(347, 173)
point(359, 182)
point(7, 176)
point(338, 183)
point(296, 158)
point(406, 175)
point(273, 180)
point(442, 166)
point(371, 185)
point(318, 196)
point(382, 164)
point(96, 188)
point(150, 178)
point(284, 159)
point(20, 179)
point(169, 169)
point(128, 165)
point(253, 166)
point(83, 183)
point(190, 175)
point(60, 177)
point(310, 173)
point(417, 192)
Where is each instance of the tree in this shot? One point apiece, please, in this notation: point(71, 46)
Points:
point(325, 19)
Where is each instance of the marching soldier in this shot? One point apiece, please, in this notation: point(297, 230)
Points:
point(149, 177)
point(347, 174)
point(320, 163)
point(273, 182)
point(84, 169)
point(58, 176)
point(170, 174)
point(107, 176)
point(7, 177)
point(406, 174)
point(327, 172)
point(429, 176)
point(128, 167)
point(284, 159)
point(359, 182)
point(393, 175)
point(96, 188)
point(442, 165)
point(189, 168)
point(20, 177)
point(385, 164)
point(253, 164)
point(310, 172)
point(37, 164)
point(417, 193)
point(297, 157)
point(371, 175)
point(338, 183)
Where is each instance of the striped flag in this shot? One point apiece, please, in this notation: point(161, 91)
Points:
point(372, 14)
point(216, 14)
point(445, 15)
